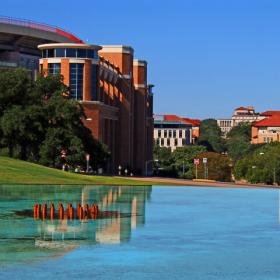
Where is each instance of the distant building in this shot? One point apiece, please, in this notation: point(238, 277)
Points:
point(172, 131)
point(240, 115)
point(267, 129)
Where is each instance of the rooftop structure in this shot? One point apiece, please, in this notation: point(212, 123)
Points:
point(172, 131)
point(240, 115)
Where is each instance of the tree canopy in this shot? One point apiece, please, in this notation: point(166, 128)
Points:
point(210, 136)
point(40, 123)
point(238, 141)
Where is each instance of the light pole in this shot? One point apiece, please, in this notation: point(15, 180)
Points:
point(120, 170)
point(147, 162)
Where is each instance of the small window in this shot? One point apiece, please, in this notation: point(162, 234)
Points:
point(165, 133)
point(175, 142)
point(59, 52)
point(159, 133)
point(170, 133)
point(51, 53)
point(157, 141)
point(44, 53)
point(70, 52)
point(180, 134)
point(81, 53)
point(162, 142)
point(174, 133)
point(168, 142)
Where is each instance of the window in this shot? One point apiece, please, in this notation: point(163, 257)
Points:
point(70, 52)
point(54, 68)
point(170, 133)
point(180, 134)
point(44, 53)
point(174, 133)
point(159, 133)
point(50, 53)
point(175, 142)
point(165, 133)
point(76, 80)
point(59, 52)
point(92, 54)
point(82, 53)
point(157, 141)
point(168, 142)
point(162, 142)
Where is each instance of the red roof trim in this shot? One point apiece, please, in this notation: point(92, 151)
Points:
point(272, 121)
point(185, 120)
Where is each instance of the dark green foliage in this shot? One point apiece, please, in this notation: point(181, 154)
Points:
point(164, 163)
point(39, 122)
point(261, 166)
point(183, 160)
point(173, 164)
point(238, 141)
point(219, 167)
point(210, 136)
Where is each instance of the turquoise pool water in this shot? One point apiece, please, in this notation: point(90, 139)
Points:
point(154, 233)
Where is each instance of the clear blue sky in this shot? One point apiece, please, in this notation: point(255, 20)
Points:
point(205, 57)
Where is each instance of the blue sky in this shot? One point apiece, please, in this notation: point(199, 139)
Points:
point(205, 57)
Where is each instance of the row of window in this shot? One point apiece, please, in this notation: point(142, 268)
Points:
point(77, 79)
point(64, 52)
point(161, 142)
point(170, 133)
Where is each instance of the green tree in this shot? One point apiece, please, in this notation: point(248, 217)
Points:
point(238, 141)
point(164, 165)
point(15, 88)
point(261, 166)
point(41, 121)
point(210, 136)
point(218, 165)
point(183, 159)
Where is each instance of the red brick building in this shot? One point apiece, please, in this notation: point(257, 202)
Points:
point(118, 102)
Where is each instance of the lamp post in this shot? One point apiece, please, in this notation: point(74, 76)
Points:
point(120, 170)
point(147, 162)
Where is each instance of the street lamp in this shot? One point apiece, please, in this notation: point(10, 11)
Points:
point(147, 162)
point(120, 170)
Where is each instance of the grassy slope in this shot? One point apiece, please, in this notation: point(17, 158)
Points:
point(20, 172)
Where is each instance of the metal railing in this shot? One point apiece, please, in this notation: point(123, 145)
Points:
point(39, 26)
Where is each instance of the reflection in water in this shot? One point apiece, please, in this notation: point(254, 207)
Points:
point(121, 209)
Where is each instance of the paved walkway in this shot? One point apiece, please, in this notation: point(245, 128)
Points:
point(184, 182)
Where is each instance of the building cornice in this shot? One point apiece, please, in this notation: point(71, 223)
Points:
point(139, 63)
point(69, 45)
point(117, 49)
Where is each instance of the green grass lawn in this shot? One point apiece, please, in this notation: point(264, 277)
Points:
point(14, 171)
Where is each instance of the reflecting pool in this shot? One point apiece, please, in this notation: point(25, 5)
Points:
point(141, 233)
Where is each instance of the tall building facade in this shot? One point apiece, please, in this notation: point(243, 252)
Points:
point(113, 90)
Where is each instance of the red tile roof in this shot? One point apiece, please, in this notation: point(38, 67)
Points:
point(272, 121)
point(270, 113)
point(185, 120)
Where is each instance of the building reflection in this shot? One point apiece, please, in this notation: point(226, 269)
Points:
point(123, 211)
